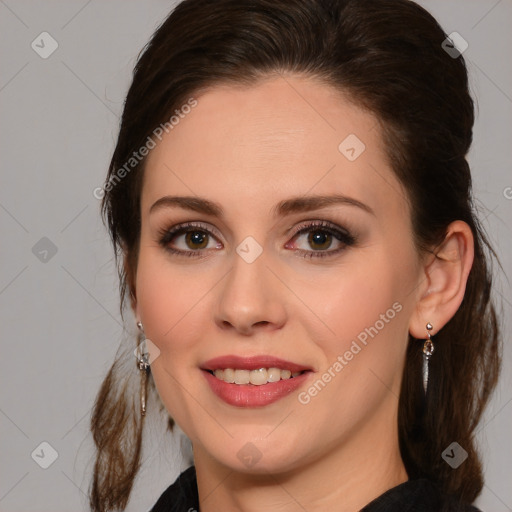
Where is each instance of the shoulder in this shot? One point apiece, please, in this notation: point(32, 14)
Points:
point(420, 495)
point(181, 496)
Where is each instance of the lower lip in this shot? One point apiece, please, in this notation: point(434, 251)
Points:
point(249, 395)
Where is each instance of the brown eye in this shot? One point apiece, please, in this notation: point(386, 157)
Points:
point(188, 240)
point(196, 239)
point(319, 239)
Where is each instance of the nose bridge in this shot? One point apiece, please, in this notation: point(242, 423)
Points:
point(250, 295)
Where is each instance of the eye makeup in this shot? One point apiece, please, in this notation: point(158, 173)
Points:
point(320, 233)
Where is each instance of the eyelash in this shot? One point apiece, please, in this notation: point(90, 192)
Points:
point(167, 235)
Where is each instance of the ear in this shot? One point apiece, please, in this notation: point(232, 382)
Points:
point(446, 274)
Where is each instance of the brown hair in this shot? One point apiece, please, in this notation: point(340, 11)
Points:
point(387, 56)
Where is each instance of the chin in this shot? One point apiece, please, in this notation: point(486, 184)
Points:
point(253, 454)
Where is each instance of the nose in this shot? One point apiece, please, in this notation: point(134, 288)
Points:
point(250, 298)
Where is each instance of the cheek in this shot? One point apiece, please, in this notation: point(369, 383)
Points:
point(364, 352)
point(356, 299)
point(366, 311)
point(166, 295)
point(168, 300)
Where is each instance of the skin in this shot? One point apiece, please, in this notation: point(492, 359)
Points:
point(247, 149)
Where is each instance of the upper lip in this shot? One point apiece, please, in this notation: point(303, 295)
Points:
point(251, 363)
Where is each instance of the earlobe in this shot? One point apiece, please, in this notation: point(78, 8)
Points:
point(446, 277)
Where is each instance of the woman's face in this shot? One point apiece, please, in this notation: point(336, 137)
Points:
point(297, 255)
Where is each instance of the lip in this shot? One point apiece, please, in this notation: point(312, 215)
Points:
point(248, 395)
point(251, 363)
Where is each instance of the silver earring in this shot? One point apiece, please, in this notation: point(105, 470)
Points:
point(143, 365)
point(428, 350)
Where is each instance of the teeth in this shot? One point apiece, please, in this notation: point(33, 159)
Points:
point(242, 376)
point(254, 377)
point(229, 375)
point(273, 374)
point(258, 377)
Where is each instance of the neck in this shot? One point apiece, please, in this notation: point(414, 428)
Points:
point(346, 478)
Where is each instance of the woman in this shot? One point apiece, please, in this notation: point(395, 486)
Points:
point(290, 204)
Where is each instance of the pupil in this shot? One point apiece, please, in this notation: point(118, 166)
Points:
point(320, 239)
point(197, 238)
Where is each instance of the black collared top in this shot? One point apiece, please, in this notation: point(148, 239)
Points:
point(419, 495)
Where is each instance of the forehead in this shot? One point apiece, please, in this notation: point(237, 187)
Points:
point(284, 136)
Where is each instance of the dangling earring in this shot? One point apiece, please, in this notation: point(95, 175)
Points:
point(428, 350)
point(142, 354)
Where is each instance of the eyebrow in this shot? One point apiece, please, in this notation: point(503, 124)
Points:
point(285, 207)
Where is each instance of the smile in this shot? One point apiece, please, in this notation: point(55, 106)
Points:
point(253, 381)
point(257, 377)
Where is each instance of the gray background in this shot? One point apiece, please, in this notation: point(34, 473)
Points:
point(59, 312)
